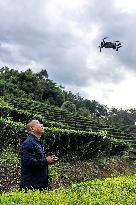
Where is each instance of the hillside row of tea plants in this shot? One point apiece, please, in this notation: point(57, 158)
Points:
point(63, 141)
point(110, 191)
point(18, 110)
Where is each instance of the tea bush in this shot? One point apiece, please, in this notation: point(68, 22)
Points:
point(64, 142)
point(110, 191)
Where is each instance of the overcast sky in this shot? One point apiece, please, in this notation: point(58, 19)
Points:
point(62, 36)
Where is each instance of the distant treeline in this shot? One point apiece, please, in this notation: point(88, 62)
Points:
point(37, 86)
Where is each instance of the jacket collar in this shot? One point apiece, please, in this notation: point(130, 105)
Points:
point(34, 137)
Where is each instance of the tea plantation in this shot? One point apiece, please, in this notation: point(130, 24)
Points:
point(110, 191)
point(97, 161)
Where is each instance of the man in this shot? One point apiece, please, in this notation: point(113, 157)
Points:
point(34, 163)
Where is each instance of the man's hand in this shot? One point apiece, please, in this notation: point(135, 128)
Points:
point(52, 159)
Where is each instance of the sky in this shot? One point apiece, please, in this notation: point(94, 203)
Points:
point(62, 36)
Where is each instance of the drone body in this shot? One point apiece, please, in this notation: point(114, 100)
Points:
point(114, 45)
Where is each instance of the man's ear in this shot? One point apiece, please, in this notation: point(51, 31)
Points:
point(31, 129)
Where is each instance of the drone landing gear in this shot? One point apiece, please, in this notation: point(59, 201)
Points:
point(118, 48)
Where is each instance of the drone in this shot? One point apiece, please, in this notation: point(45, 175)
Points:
point(115, 45)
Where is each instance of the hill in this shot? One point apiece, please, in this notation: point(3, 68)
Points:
point(76, 129)
point(31, 94)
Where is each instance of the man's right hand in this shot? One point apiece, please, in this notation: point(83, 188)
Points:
point(51, 160)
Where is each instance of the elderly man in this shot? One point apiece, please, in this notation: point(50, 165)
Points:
point(34, 163)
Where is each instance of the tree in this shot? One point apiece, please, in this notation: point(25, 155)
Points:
point(42, 75)
point(69, 106)
point(84, 112)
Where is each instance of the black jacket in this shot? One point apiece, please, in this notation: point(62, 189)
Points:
point(34, 166)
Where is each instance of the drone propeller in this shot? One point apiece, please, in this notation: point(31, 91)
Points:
point(104, 38)
point(116, 41)
point(100, 48)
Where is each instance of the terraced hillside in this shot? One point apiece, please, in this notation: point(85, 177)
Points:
point(21, 110)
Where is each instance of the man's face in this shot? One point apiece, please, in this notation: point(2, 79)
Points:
point(37, 127)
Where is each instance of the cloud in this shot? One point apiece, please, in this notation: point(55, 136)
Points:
point(63, 37)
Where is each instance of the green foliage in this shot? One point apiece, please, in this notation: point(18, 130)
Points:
point(50, 113)
point(64, 141)
point(78, 171)
point(84, 112)
point(110, 191)
point(69, 106)
point(32, 85)
point(80, 130)
point(15, 116)
point(9, 169)
point(65, 173)
point(37, 86)
point(53, 174)
point(9, 154)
